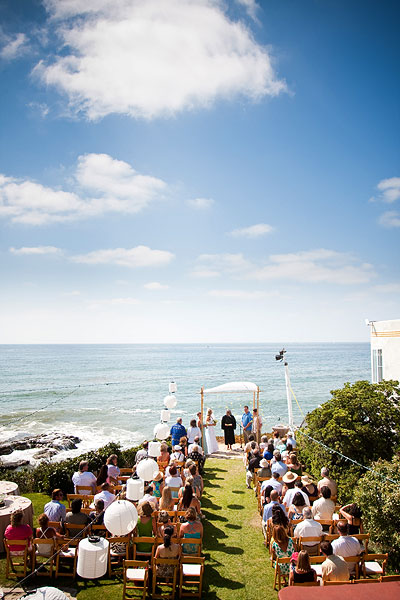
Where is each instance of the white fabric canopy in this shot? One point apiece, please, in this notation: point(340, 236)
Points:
point(233, 387)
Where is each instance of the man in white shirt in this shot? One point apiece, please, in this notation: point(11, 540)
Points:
point(290, 440)
point(143, 453)
point(290, 494)
point(327, 481)
point(334, 568)
point(148, 497)
point(324, 507)
point(308, 528)
point(105, 495)
point(196, 443)
point(84, 477)
point(346, 545)
point(273, 482)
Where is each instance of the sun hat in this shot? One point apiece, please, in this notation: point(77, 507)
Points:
point(177, 447)
point(158, 477)
point(306, 480)
point(264, 463)
point(289, 477)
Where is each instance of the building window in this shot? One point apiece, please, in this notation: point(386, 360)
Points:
point(377, 366)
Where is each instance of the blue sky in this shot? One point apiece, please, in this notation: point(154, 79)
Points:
point(198, 171)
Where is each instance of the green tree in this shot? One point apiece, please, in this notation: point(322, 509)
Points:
point(362, 422)
point(379, 499)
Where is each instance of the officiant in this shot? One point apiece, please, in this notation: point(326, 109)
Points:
point(228, 424)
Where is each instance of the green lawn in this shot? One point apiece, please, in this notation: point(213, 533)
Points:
point(237, 564)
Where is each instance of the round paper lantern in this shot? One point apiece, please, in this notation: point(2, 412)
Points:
point(135, 489)
point(154, 449)
point(120, 517)
point(48, 593)
point(165, 415)
point(172, 388)
point(161, 431)
point(147, 469)
point(92, 558)
point(170, 401)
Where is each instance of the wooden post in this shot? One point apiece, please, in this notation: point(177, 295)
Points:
point(202, 416)
point(258, 404)
point(254, 400)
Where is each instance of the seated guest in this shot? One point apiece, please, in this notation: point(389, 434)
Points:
point(279, 517)
point(334, 568)
point(76, 517)
point(102, 476)
point(281, 546)
point(327, 481)
point(301, 571)
point(191, 529)
point(281, 446)
point(265, 469)
point(173, 480)
point(189, 500)
point(163, 457)
point(54, 509)
point(263, 443)
point(184, 445)
point(290, 440)
point(296, 508)
point(253, 463)
point(197, 456)
point(294, 487)
point(97, 515)
point(143, 453)
point(46, 532)
point(84, 477)
point(269, 452)
point(352, 513)
point(105, 495)
point(198, 483)
point(145, 526)
point(266, 495)
point(177, 455)
point(196, 442)
point(166, 502)
point(285, 454)
point(113, 469)
point(273, 482)
point(157, 485)
point(324, 507)
point(276, 439)
point(294, 465)
point(164, 520)
point(308, 528)
point(278, 466)
point(149, 497)
point(346, 545)
point(267, 512)
point(18, 531)
point(309, 487)
point(170, 550)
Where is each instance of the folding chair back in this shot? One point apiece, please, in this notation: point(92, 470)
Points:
point(191, 574)
point(87, 499)
point(140, 554)
point(389, 578)
point(71, 530)
point(278, 573)
point(313, 549)
point(84, 490)
point(67, 553)
point(374, 564)
point(118, 551)
point(136, 575)
point(16, 558)
point(162, 566)
point(42, 554)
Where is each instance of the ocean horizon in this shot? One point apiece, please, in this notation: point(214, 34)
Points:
point(115, 392)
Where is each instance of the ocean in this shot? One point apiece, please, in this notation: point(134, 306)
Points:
point(104, 393)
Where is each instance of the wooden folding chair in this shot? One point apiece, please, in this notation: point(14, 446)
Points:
point(190, 546)
point(67, 554)
point(362, 537)
point(140, 555)
point(72, 530)
point(316, 563)
point(279, 576)
point(165, 583)
point(136, 576)
point(313, 550)
point(374, 564)
point(100, 530)
point(191, 574)
point(356, 559)
point(84, 490)
point(126, 471)
point(365, 581)
point(118, 555)
point(87, 499)
point(389, 578)
point(174, 492)
point(307, 584)
point(324, 583)
point(326, 523)
point(56, 525)
point(16, 558)
point(42, 554)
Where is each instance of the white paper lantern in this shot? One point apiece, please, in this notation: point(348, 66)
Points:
point(172, 388)
point(135, 489)
point(161, 431)
point(154, 449)
point(48, 593)
point(147, 469)
point(165, 416)
point(120, 517)
point(170, 401)
point(92, 558)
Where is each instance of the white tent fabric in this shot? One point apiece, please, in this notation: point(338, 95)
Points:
point(232, 387)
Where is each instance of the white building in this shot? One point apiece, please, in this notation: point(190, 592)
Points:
point(385, 350)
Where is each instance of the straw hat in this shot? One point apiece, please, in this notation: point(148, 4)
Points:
point(177, 447)
point(306, 480)
point(158, 477)
point(289, 477)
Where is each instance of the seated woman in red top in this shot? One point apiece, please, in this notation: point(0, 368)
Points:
point(18, 531)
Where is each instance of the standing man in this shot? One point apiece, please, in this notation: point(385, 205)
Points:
point(177, 432)
point(257, 425)
point(247, 422)
point(228, 424)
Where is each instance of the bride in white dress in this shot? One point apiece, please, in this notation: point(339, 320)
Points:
point(211, 441)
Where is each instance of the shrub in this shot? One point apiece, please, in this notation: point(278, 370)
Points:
point(379, 500)
point(362, 421)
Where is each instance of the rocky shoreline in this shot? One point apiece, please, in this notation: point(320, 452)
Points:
point(48, 445)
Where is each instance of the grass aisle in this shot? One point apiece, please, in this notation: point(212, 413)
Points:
point(237, 563)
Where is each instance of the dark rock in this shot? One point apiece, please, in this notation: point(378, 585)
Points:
point(14, 464)
point(5, 448)
point(45, 453)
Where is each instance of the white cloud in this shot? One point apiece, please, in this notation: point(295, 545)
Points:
point(36, 250)
point(101, 184)
point(14, 46)
point(254, 231)
point(141, 256)
point(390, 218)
point(315, 266)
point(238, 294)
point(40, 107)
point(200, 203)
point(151, 59)
point(387, 288)
point(155, 286)
point(251, 7)
point(389, 189)
point(205, 273)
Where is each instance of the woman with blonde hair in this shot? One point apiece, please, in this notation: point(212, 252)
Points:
point(301, 571)
point(113, 469)
point(294, 465)
point(18, 531)
point(163, 457)
point(189, 500)
point(166, 502)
